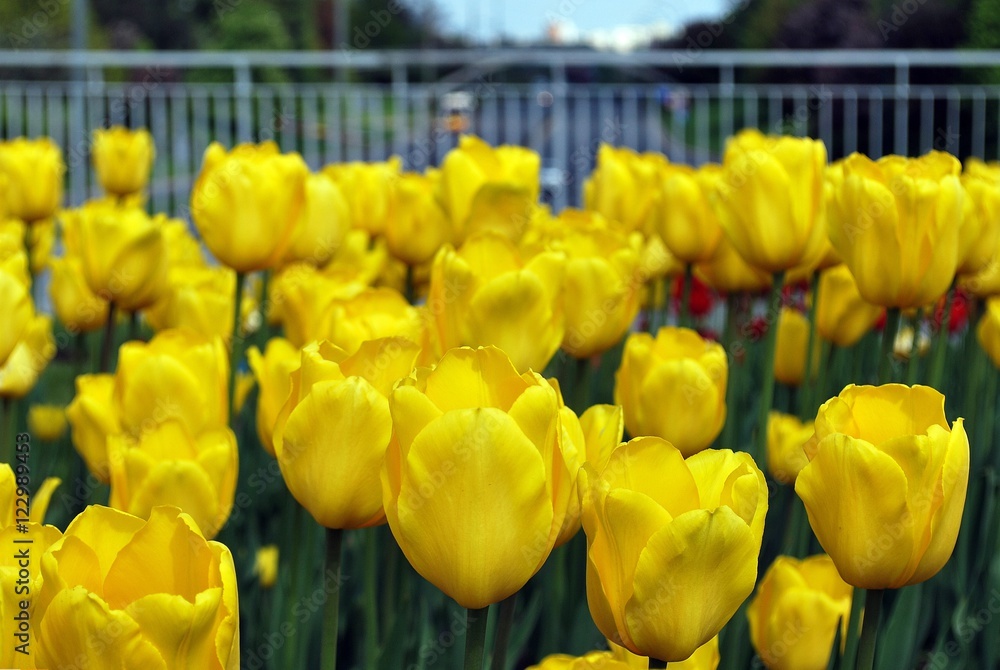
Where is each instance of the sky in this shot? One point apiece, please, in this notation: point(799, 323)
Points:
point(527, 19)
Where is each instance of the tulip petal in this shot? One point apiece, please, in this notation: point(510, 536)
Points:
point(680, 403)
point(479, 545)
point(856, 499)
point(183, 632)
point(467, 378)
point(106, 531)
point(643, 464)
point(675, 609)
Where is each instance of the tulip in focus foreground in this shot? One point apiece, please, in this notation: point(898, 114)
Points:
point(467, 480)
point(674, 387)
point(168, 594)
point(796, 612)
point(885, 485)
point(660, 532)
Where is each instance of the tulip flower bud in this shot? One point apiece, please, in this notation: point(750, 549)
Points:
point(34, 174)
point(626, 187)
point(367, 188)
point(673, 387)
point(657, 527)
point(31, 354)
point(988, 330)
point(885, 485)
point(842, 315)
point(123, 159)
point(47, 422)
point(273, 371)
point(324, 219)
point(689, 224)
point(795, 615)
point(167, 594)
point(786, 439)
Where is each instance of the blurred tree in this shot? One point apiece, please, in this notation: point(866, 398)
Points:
point(35, 24)
point(984, 24)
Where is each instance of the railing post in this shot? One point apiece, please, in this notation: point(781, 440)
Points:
point(400, 110)
point(242, 88)
point(727, 88)
point(560, 123)
point(902, 105)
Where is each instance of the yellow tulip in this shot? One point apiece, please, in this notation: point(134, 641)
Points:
point(790, 348)
point(47, 422)
point(594, 660)
point(467, 480)
point(988, 330)
point(123, 159)
point(602, 281)
point(626, 187)
point(786, 439)
point(332, 432)
point(979, 235)
point(21, 644)
point(34, 173)
point(483, 188)
point(195, 299)
point(41, 240)
point(301, 297)
point(659, 529)
point(772, 188)
point(367, 187)
point(902, 242)
point(656, 261)
point(487, 293)
point(122, 253)
point(34, 351)
point(273, 372)
point(324, 219)
point(372, 314)
point(246, 203)
point(362, 258)
point(906, 338)
point(842, 315)
point(168, 595)
point(689, 224)
point(78, 308)
point(796, 612)
point(167, 465)
point(674, 387)
point(986, 282)
point(706, 657)
point(885, 484)
point(18, 311)
point(416, 225)
point(93, 416)
point(266, 565)
point(727, 272)
point(176, 375)
point(183, 250)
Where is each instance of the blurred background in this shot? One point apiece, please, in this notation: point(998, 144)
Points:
point(345, 80)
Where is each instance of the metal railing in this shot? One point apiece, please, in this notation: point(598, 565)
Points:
point(562, 103)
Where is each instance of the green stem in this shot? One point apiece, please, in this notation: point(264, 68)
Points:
point(684, 309)
point(236, 346)
point(331, 614)
point(869, 632)
point(940, 353)
point(133, 325)
point(808, 391)
point(729, 339)
point(892, 319)
point(371, 599)
point(411, 289)
point(475, 638)
point(581, 394)
point(912, 364)
point(770, 344)
point(853, 626)
point(108, 343)
point(819, 395)
point(504, 627)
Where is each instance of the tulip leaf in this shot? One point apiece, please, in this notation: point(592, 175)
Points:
point(835, 660)
point(898, 636)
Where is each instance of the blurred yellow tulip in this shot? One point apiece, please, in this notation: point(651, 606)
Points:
point(467, 480)
point(902, 241)
point(689, 224)
point(331, 434)
point(790, 347)
point(194, 299)
point(772, 189)
point(988, 330)
point(246, 203)
point(34, 174)
point(324, 219)
point(487, 293)
point(93, 416)
point(796, 612)
point(273, 371)
point(885, 485)
point(266, 565)
point(122, 253)
point(659, 528)
point(361, 258)
point(367, 188)
point(674, 387)
point(78, 308)
point(169, 595)
point(727, 272)
point(483, 188)
point(47, 422)
point(842, 315)
point(786, 439)
point(979, 236)
point(176, 375)
point(626, 187)
point(594, 660)
point(11, 513)
point(18, 311)
point(372, 314)
point(167, 465)
point(416, 226)
point(301, 297)
point(33, 352)
point(183, 250)
point(123, 159)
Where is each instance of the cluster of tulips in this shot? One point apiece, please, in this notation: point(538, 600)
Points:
point(435, 352)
